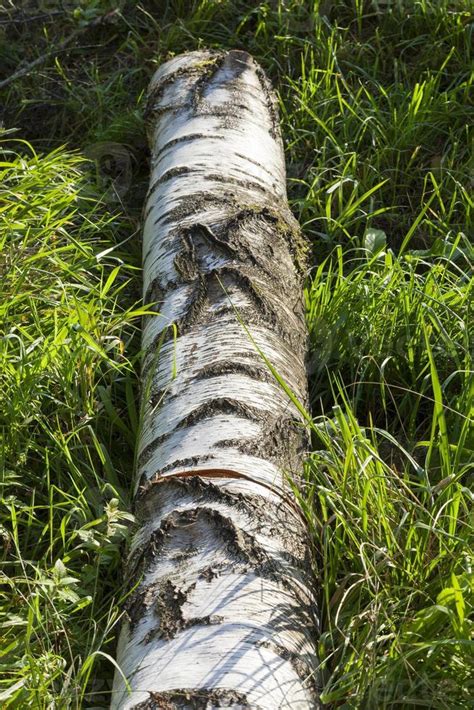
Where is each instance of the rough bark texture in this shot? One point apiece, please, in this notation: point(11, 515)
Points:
point(222, 613)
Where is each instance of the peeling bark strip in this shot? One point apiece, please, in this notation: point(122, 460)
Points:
point(222, 613)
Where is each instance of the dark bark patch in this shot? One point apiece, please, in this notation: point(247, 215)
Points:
point(168, 606)
point(169, 609)
point(283, 441)
point(204, 79)
point(219, 242)
point(244, 553)
point(241, 547)
point(212, 572)
point(270, 517)
point(179, 170)
point(185, 261)
point(196, 303)
point(193, 203)
point(249, 316)
point(199, 489)
point(186, 553)
point(196, 699)
point(190, 263)
point(209, 287)
point(254, 162)
point(253, 367)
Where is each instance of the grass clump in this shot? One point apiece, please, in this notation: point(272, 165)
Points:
point(375, 117)
point(383, 322)
point(394, 545)
point(67, 425)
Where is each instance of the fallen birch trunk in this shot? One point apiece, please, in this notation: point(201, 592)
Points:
point(223, 614)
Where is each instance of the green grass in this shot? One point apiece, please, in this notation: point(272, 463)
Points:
point(375, 116)
point(67, 424)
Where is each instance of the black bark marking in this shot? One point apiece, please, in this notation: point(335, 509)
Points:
point(197, 699)
point(220, 242)
point(281, 227)
point(279, 520)
point(256, 369)
point(230, 240)
point(187, 463)
point(210, 285)
point(205, 491)
point(249, 317)
point(240, 545)
point(250, 185)
point(149, 450)
point(203, 174)
point(256, 366)
point(221, 405)
point(169, 175)
point(190, 263)
point(185, 554)
point(287, 502)
point(195, 202)
point(166, 598)
point(196, 302)
point(168, 606)
point(147, 210)
point(185, 261)
point(187, 138)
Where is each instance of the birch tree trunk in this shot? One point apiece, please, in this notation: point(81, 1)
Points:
point(222, 613)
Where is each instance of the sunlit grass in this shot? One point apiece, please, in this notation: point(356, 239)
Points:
point(393, 537)
point(67, 424)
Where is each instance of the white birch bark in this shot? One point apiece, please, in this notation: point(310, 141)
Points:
point(222, 614)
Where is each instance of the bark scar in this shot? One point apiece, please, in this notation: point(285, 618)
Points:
point(221, 473)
